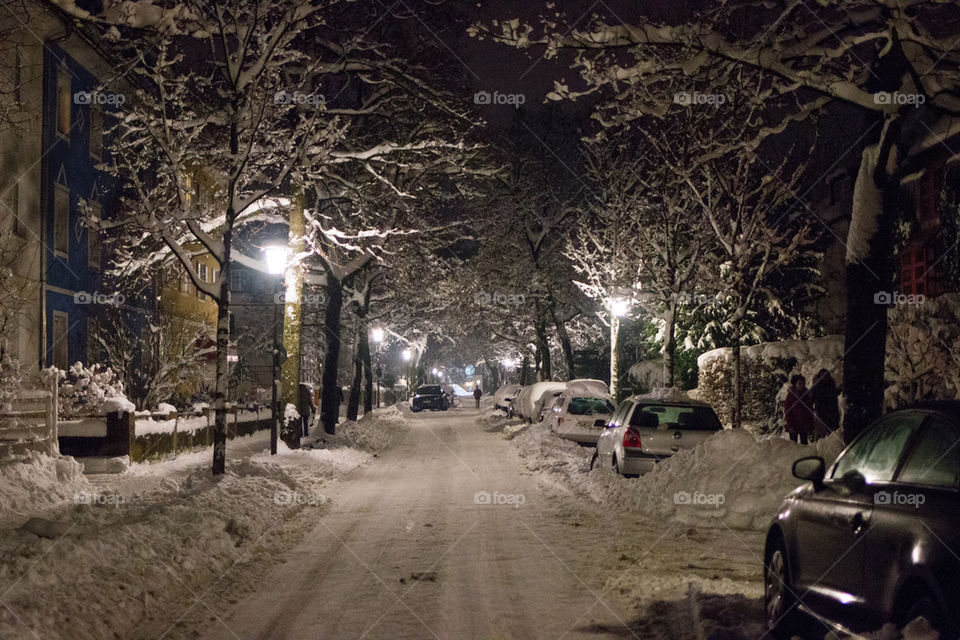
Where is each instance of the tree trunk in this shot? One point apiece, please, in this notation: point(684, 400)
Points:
point(353, 403)
point(865, 340)
point(670, 343)
point(364, 350)
point(292, 309)
point(614, 356)
point(566, 346)
point(330, 400)
point(543, 346)
point(524, 370)
point(737, 417)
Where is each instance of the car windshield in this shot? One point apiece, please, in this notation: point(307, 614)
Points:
point(666, 416)
point(589, 406)
point(429, 390)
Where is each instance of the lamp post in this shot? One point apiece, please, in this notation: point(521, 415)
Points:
point(407, 356)
point(618, 308)
point(435, 372)
point(376, 334)
point(276, 258)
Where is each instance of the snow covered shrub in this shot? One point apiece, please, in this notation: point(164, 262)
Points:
point(923, 351)
point(10, 378)
point(84, 391)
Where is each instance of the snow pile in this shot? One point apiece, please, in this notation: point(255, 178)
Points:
point(165, 409)
point(116, 404)
point(491, 419)
point(373, 432)
point(811, 355)
point(36, 481)
point(731, 479)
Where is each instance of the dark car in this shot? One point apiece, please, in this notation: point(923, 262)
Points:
point(430, 396)
point(875, 537)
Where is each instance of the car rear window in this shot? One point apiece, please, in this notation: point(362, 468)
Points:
point(589, 406)
point(429, 390)
point(664, 416)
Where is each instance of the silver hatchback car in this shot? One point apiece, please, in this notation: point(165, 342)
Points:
point(644, 431)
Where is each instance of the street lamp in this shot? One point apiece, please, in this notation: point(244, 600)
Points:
point(618, 308)
point(435, 372)
point(376, 334)
point(276, 259)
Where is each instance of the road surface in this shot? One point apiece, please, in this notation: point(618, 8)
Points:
point(406, 552)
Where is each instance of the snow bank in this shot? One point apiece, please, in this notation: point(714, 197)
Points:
point(491, 419)
point(36, 481)
point(373, 432)
point(731, 479)
point(811, 355)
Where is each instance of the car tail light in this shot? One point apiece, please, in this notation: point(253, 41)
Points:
point(631, 439)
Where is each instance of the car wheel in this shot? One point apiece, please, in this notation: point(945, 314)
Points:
point(923, 605)
point(415, 410)
point(778, 600)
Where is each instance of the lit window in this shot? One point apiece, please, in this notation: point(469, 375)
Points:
point(64, 104)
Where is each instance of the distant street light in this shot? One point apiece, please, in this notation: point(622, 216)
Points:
point(276, 258)
point(618, 308)
point(407, 355)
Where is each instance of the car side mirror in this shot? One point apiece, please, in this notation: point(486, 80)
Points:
point(599, 422)
point(813, 469)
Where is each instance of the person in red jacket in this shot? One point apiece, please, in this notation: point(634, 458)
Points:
point(797, 410)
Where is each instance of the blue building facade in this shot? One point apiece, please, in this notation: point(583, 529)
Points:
point(74, 143)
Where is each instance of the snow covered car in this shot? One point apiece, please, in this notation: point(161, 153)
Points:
point(504, 396)
point(645, 430)
point(430, 396)
point(580, 413)
point(873, 538)
point(528, 402)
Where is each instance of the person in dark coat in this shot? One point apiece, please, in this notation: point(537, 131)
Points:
point(826, 408)
point(305, 407)
point(797, 410)
point(477, 393)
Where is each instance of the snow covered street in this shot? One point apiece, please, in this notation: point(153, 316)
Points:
point(445, 537)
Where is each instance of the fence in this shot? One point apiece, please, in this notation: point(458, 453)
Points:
point(29, 422)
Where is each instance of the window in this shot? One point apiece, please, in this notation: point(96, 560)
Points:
point(588, 406)
point(913, 272)
point(18, 227)
point(237, 280)
point(59, 346)
point(184, 281)
point(61, 221)
point(96, 131)
point(93, 239)
point(935, 459)
point(64, 104)
point(877, 452)
point(93, 342)
point(17, 75)
point(202, 276)
point(215, 276)
point(694, 418)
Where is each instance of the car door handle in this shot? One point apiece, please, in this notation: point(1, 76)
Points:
point(677, 435)
point(856, 523)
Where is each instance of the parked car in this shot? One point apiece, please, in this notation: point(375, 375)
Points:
point(874, 537)
point(503, 397)
point(581, 412)
point(644, 431)
point(528, 402)
point(430, 396)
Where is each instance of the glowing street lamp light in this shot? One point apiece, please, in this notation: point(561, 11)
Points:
point(276, 258)
point(376, 334)
point(406, 355)
point(618, 307)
